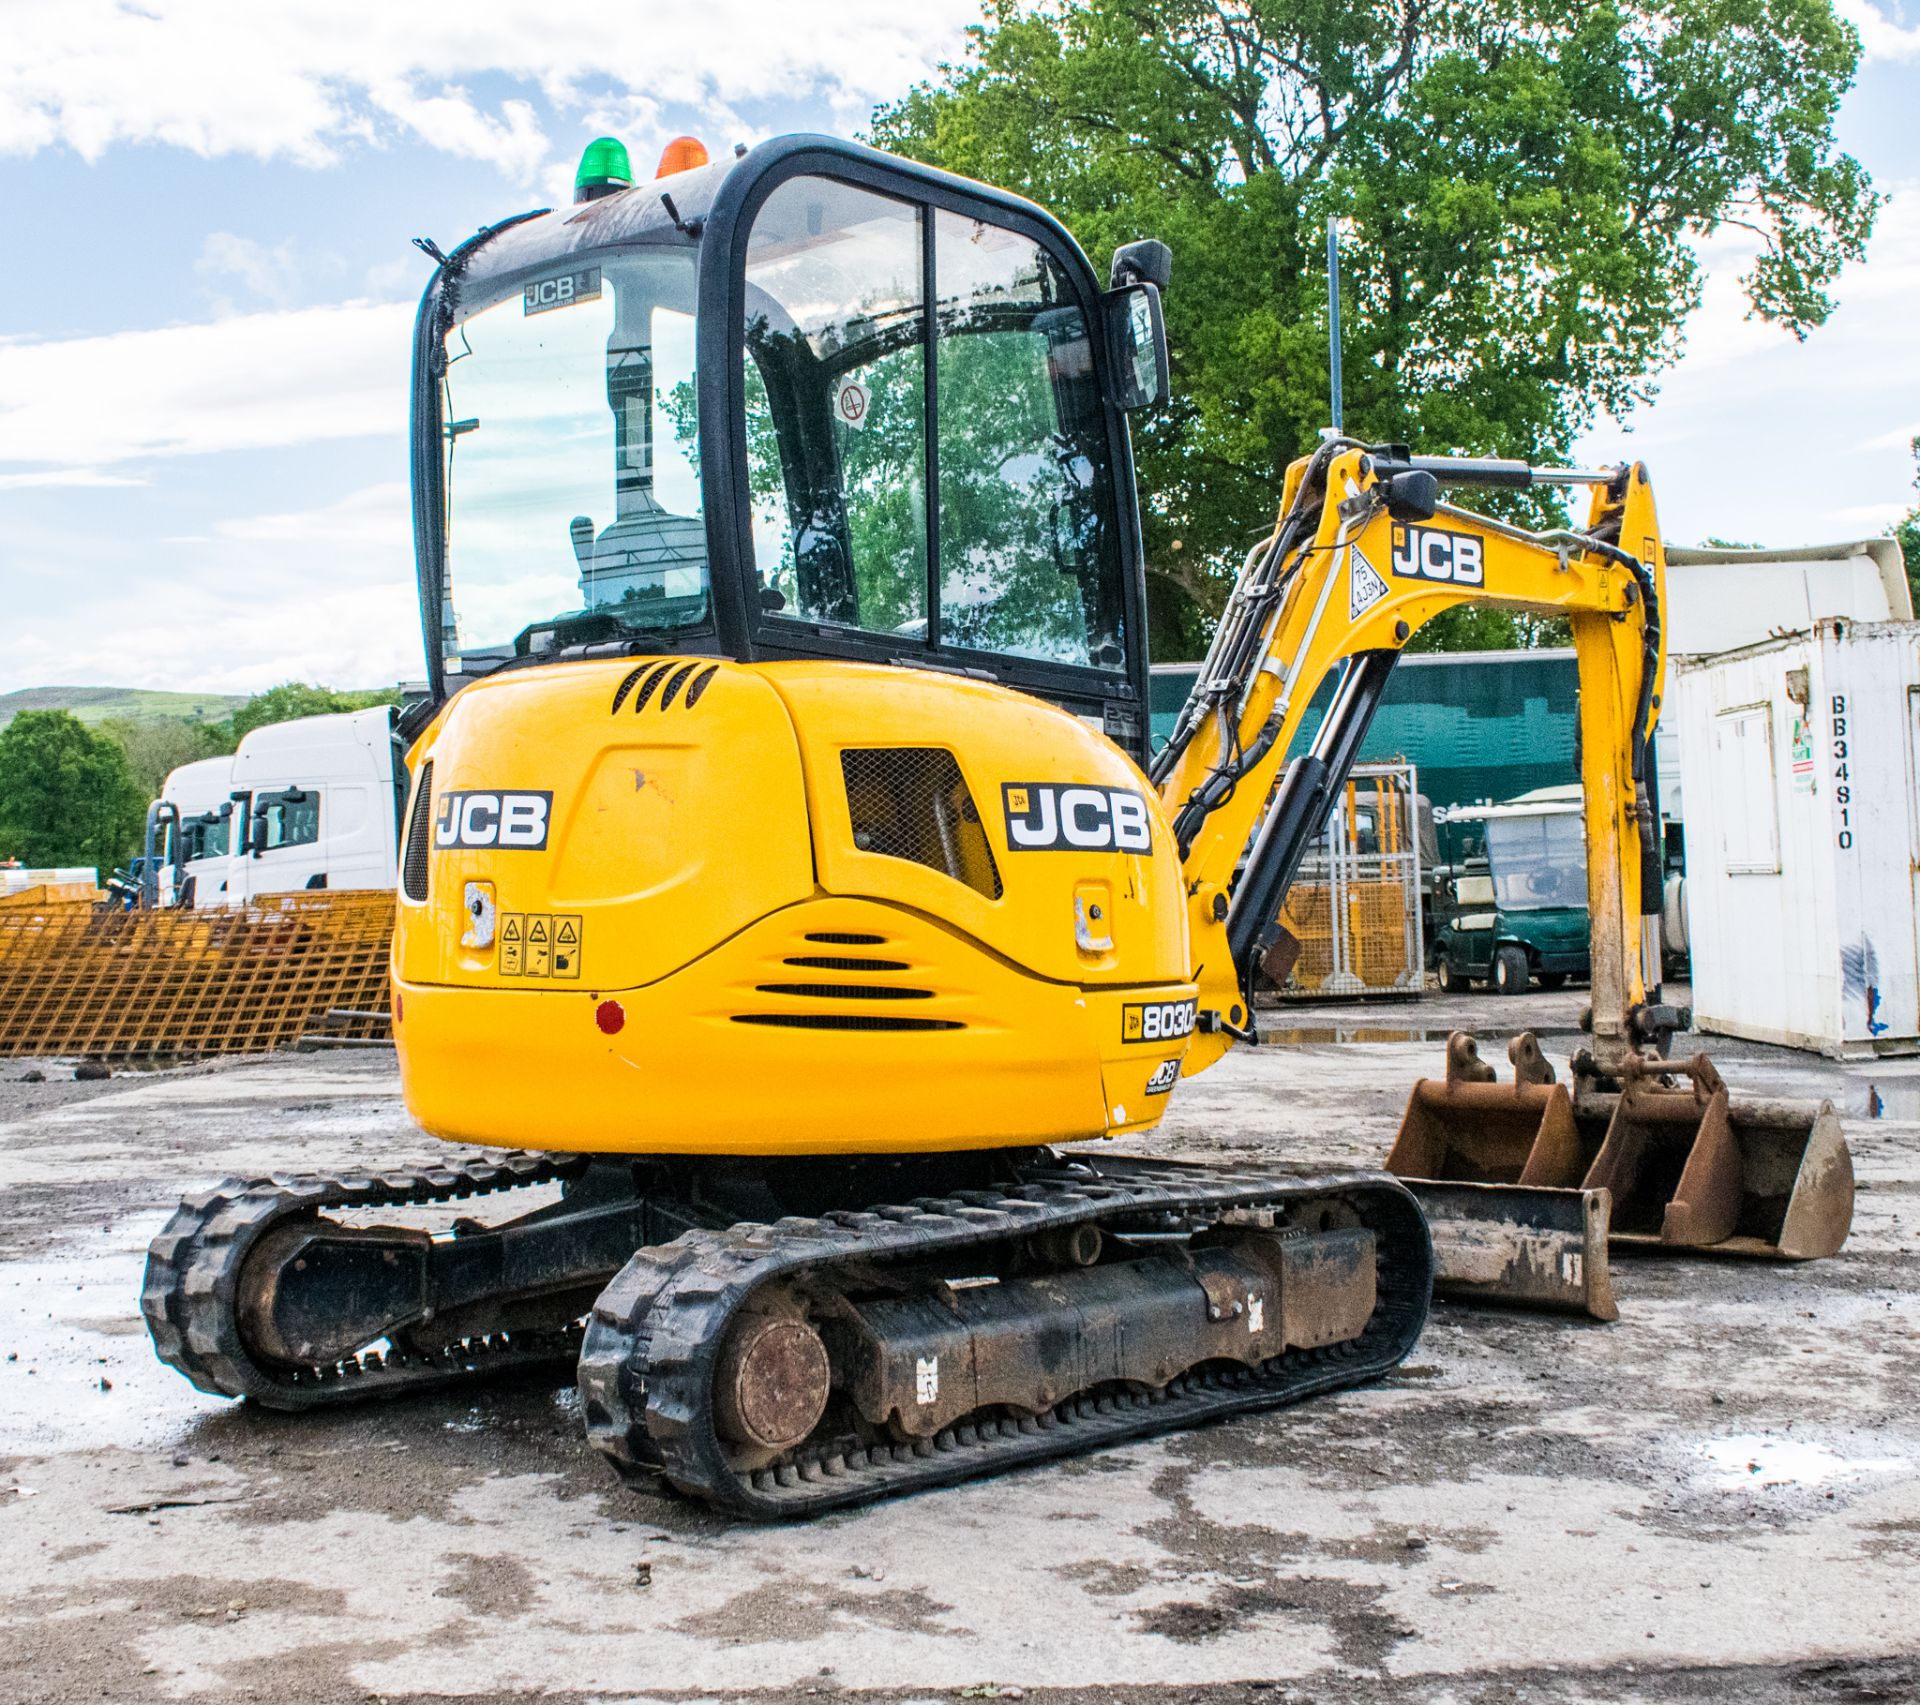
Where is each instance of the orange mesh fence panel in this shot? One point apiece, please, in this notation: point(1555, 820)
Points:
point(83, 979)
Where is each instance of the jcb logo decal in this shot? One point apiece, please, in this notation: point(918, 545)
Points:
point(561, 292)
point(1048, 817)
point(1165, 1076)
point(513, 821)
point(1158, 1021)
point(1432, 553)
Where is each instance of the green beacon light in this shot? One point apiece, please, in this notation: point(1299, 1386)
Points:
point(604, 168)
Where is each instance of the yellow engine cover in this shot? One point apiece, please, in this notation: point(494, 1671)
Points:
point(696, 907)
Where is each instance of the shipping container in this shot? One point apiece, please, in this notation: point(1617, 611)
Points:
point(1803, 822)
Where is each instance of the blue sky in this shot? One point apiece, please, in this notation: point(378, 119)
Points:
point(203, 334)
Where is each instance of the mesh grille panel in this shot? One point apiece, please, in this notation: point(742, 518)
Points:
point(413, 878)
point(911, 802)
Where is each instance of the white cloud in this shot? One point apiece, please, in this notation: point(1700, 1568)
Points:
point(273, 274)
point(308, 80)
point(174, 635)
point(250, 382)
point(66, 477)
point(1882, 37)
point(321, 594)
point(376, 515)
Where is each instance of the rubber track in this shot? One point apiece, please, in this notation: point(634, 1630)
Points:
point(193, 1271)
point(646, 1367)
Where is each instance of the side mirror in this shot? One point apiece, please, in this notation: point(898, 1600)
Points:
point(1148, 261)
point(1137, 337)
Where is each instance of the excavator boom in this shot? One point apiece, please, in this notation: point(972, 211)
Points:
point(1524, 1184)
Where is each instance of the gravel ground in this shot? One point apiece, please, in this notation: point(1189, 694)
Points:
point(1718, 1495)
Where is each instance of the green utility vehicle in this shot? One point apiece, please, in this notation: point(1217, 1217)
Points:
point(1521, 915)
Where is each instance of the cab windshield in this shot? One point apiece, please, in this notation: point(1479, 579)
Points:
point(1538, 862)
point(573, 494)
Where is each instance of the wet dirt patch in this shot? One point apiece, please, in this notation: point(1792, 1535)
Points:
point(806, 1610)
point(101, 1643)
point(488, 1586)
point(1363, 1634)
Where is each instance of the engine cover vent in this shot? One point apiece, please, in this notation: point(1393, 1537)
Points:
point(911, 802)
point(413, 878)
point(673, 675)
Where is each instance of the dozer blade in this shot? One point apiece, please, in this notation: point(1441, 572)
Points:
point(1525, 1186)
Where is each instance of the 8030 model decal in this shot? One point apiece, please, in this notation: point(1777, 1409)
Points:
point(1157, 1021)
point(1044, 816)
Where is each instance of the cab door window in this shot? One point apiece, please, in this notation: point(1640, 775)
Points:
point(850, 418)
point(836, 405)
point(1026, 563)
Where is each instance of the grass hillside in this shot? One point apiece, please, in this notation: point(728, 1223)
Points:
point(136, 704)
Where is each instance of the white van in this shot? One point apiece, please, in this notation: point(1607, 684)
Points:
point(313, 803)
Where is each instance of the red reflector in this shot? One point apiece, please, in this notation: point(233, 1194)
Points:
point(611, 1016)
point(399, 1006)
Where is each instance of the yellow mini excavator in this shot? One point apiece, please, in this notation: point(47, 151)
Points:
point(787, 875)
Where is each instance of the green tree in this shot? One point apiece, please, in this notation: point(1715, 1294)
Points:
point(294, 699)
point(1907, 531)
point(154, 747)
point(65, 794)
point(1520, 186)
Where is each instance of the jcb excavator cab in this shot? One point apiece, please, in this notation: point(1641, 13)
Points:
point(814, 403)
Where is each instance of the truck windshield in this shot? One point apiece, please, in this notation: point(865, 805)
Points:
point(1538, 862)
point(573, 492)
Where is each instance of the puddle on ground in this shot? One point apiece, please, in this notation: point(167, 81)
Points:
point(1756, 1462)
point(72, 1321)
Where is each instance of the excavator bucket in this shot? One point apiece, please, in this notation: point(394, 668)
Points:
point(1525, 1185)
point(1691, 1168)
point(1492, 1164)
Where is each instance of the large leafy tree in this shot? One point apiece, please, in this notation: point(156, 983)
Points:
point(294, 699)
point(154, 747)
point(1519, 185)
point(65, 794)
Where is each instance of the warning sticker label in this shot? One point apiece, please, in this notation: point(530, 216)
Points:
point(541, 944)
point(566, 945)
point(1365, 584)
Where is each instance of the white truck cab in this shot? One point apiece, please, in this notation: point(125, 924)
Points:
point(202, 794)
point(313, 803)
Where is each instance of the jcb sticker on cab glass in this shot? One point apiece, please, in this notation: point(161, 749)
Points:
point(1433, 553)
point(1158, 1021)
point(561, 292)
point(511, 821)
point(1044, 816)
